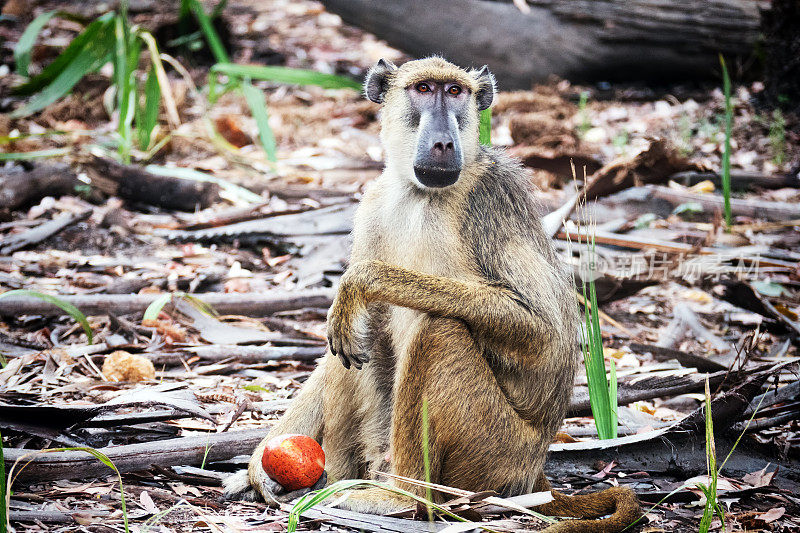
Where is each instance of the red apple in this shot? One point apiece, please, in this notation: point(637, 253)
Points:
point(294, 461)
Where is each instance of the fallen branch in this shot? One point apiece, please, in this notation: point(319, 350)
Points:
point(660, 353)
point(749, 207)
point(18, 189)
point(740, 179)
point(41, 232)
point(255, 304)
point(135, 184)
point(133, 457)
point(241, 354)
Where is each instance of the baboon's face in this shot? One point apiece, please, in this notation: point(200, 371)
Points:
point(430, 117)
point(437, 109)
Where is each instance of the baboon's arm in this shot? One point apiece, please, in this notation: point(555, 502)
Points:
point(494, 312)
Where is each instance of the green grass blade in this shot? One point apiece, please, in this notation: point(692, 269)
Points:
point(255, 100)
point(24, 48)
point(35, 154)
point(91, 56)
point(485, 135)
point(148, 116)
point(312, 499)
point(211, 35)
point(93, 37)
point(3, 496)
point(426, 454)
point(726, 155)
point(67, 307)
point(612, 398)
point(293, 76)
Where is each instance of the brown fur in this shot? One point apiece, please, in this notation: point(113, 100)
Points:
point(458, 298)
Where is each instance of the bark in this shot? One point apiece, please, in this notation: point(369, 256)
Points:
point(238, 304)
point(577, 40)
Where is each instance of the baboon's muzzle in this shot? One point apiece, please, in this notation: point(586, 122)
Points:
point(438, 159)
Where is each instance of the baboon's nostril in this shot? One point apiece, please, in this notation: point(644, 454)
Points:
point(450, 146)
point(438, 147)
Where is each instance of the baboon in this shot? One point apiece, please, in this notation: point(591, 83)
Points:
point(454, 296)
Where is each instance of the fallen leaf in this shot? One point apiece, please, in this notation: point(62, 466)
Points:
point(773, 514)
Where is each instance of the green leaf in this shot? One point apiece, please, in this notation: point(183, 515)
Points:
point(148, 114)
point(485, 135)
point(24, 49)
point(255, 100)
point(65, 306)
point(88, 57)
point(644, 221)
point(688, 207)
point(152, 311)
point(294, 76)
point(96, 35)
point(212, 37)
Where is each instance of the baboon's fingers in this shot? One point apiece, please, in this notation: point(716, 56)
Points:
point(289, 496)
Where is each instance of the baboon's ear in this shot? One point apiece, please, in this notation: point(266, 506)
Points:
point(377, 81)
point(485, 93)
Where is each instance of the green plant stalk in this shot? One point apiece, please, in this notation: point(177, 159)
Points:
point(205, 455)
point(726, 155)
point(426, 454)
point(67, 307)
point(602, 390)
point(211, 35)
point(485, 131)
point(712, 506)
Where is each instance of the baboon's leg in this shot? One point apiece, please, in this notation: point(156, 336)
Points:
point(477, 441)
point(342, 438)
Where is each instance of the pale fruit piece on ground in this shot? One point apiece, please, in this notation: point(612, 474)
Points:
point(124, 366)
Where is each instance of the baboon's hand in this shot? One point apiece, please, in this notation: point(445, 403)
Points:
point(255, 486)
point(345, 329)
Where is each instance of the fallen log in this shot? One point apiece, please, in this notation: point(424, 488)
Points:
point(18, 189)
point(135, 184)
point(577, 40)
point(41, 232)
point(749, 207)
point(241, 354)
point(194, 450)
point(236, 304)
point(741, 180)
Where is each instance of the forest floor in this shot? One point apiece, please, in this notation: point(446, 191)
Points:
point(684, 301)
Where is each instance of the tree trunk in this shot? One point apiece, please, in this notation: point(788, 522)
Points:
point(578, 40)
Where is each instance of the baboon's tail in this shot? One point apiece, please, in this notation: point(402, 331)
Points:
point(618, 502)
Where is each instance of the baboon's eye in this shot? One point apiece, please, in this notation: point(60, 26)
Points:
point(454, 90)
point(423, 88)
